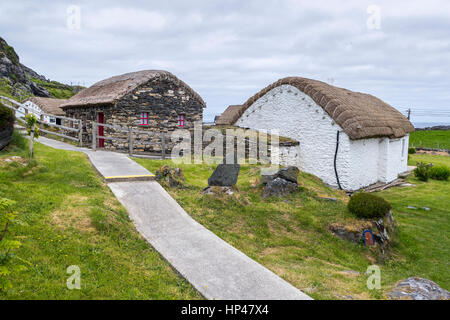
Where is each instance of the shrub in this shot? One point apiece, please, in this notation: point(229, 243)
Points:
point(423, 171)
point(368, 206)
point(6, 117)
point(440, 173)
point(412, 150)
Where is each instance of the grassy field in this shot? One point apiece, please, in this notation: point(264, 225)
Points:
point(430, 139)
point(290, 236)
point(72, 218)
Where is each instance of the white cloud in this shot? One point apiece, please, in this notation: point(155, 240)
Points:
point(229, 49)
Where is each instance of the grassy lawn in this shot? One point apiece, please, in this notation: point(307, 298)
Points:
point(428, 158)
point(430, 139)
point(72, 218)
point(290, 236)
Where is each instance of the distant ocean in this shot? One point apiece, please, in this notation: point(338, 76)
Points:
point(429, 124)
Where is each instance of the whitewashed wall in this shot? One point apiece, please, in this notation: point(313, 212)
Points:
point(359, 163)
point(34, 109)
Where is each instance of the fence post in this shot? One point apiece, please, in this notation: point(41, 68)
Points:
point(94, 135)
point(130, 142)
point(163, 145)
point(33, 127)
point(80, 133)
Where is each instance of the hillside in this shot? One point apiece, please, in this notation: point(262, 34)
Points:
point(19, 82)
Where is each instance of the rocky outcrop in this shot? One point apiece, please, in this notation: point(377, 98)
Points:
point(418, 289)
point(19, 78)
point(280, 183)
point(383, 230)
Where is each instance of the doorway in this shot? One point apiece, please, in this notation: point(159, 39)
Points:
point(101, 129)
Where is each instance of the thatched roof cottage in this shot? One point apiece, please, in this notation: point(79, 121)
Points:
point(150, 100)
point(348, 139)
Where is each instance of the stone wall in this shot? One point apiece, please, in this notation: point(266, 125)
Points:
point(163, 100)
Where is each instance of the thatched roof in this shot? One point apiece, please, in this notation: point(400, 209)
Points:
point(49, 105)
point(360, 115)
point(227, 117)
point(111, 90)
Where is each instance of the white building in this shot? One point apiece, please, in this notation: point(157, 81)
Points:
point(348, 139)
point(43, 108)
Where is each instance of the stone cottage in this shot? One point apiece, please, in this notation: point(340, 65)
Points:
point(348, 139)
point(150, 101)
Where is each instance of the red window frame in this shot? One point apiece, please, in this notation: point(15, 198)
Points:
point(181, 121)
point(143, 119)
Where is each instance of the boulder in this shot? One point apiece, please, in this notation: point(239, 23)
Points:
point(225, 175)
point(289, 174)
point(382, 229)
point(418, 289)
point(279, 187)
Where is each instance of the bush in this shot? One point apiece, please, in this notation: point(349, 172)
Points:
point(6, 117)
point(412, 150)
point(440, 173)
point(423, 171)
point(368, 206)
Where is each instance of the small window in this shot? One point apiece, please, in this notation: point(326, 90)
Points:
point(144, 119)
point(181, 121)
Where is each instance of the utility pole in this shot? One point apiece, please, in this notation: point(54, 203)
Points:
point(409, 114)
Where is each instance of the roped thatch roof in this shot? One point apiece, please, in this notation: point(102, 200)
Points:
point(227, 117)
point(49, 105)
point(360, 115)
point(111, 90)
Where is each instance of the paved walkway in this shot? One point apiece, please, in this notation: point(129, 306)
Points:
point(216, 269)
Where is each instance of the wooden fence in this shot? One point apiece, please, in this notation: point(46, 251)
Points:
point(43, 126)
point(130, 137)
point(66, 129)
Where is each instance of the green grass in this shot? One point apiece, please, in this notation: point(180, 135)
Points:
point(427, 158)
point(430, 139)
point(57, 90)
point(290, 236)
point(72, 218)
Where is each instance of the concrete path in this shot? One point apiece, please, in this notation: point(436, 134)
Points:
point(216, 269)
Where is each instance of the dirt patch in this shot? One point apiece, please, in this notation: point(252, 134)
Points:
point(14, 159)
point(74, 214)
point(434, 153)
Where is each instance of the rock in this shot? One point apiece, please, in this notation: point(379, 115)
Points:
point(289, 174)
point(411, 207)
point(426, 209)
point(225, 175)
point(418, 289)
point(218, 191)
point(382, 229)
point(328, 199)
point(173, 177)
point(39, 91)
point(268, 174)
point(279, 187)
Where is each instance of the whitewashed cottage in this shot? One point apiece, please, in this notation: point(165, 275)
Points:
point(348, 139)
point(43, 108)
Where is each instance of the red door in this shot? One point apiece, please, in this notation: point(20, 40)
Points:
point(101, 130)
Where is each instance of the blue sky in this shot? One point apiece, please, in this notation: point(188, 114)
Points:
point(398, 51)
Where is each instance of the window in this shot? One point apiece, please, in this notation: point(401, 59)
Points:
point(144, 119)
point(181, 121)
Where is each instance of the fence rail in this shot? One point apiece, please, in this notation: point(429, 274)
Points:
point(77, 132)
point(15, 106)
